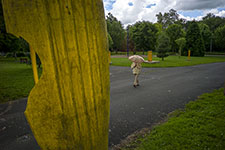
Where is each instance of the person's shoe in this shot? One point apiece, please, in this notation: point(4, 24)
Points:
point(138, 85)
point(135, 86)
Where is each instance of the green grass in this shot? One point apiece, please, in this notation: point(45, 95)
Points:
point(214, 53)
point(200, 126)
point(171, 61)
point(16, 80)
point(131, 53)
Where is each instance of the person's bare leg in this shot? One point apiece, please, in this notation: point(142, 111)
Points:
point(135, 80)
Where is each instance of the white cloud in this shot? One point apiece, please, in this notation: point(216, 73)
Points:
point(140, 10)
point(221, 13)
point(198, 4)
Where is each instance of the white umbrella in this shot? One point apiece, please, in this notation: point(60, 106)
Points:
point(136, 59)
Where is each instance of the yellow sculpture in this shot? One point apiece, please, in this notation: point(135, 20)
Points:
point(69, 106)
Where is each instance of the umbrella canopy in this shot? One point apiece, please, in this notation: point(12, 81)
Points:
point(136, 59)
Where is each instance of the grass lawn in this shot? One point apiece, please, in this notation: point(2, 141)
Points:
point(16, 80)
point(171, 61)
point(200, 126)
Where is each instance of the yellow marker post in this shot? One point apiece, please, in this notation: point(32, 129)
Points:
point(149, 55)
point(34, 65)
point(69, 107)
point(189, 55)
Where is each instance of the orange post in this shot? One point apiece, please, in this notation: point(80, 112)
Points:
point(189, 54)
point(149, 55)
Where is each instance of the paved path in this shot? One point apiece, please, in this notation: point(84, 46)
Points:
point(162, 90)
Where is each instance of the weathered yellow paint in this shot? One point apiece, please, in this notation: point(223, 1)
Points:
point(189, 54)
point(69, 106)
point(109, 57)
point(34, 65)
point(149, 55)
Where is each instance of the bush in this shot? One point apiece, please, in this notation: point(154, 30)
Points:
point(9, 55)
point(20, 54)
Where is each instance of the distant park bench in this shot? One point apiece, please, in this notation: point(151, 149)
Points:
point(23, 60)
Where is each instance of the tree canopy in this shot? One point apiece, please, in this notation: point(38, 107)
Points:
point(116, 31)
point(175, 31)
point(195, 41)
point(220, 37)
point(143, 35)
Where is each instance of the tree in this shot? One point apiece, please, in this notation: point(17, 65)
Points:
point(143, 34)
point(220, 37)
point(213, 21)
point(206, 35)
point(163, 45)
point(174, 32)
point(194, 40)
point(167, 19)
point(181, 43)
point(116, 31)
point(110, 41)
point(9, 42)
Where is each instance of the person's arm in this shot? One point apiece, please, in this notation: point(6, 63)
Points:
point(133, 65)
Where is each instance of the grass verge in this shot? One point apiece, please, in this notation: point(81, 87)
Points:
point(200, 126)
point(16, 79)
point(171, 61)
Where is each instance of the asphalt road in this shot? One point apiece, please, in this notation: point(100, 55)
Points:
point(161, 90)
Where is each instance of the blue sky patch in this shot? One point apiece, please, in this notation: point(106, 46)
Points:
point(130, 4)
point(192, 14)
point(221, 9)
point(109, 5)
point(150, 5)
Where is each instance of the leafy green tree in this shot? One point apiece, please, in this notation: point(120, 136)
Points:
point(220, 37)
point(174, 32)
point(143, 35)
point(9, 42)
point(163, 45)
point(168, 18)
point(110, 41)
point(213, 21)
point(194, 40)
point(116, 31)
point(181, 42)
point(206, 35)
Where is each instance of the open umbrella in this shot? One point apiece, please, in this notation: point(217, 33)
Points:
point(136, 59)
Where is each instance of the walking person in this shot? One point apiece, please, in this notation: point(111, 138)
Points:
point(136, 68)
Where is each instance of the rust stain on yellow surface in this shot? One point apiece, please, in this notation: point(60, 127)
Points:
point(69, 106)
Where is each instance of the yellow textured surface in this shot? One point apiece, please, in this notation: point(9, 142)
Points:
point(34, 65)
point(69, 106)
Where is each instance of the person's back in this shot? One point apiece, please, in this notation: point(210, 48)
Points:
point(136, 68)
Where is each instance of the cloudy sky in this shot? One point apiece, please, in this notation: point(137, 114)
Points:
point(130, 11)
